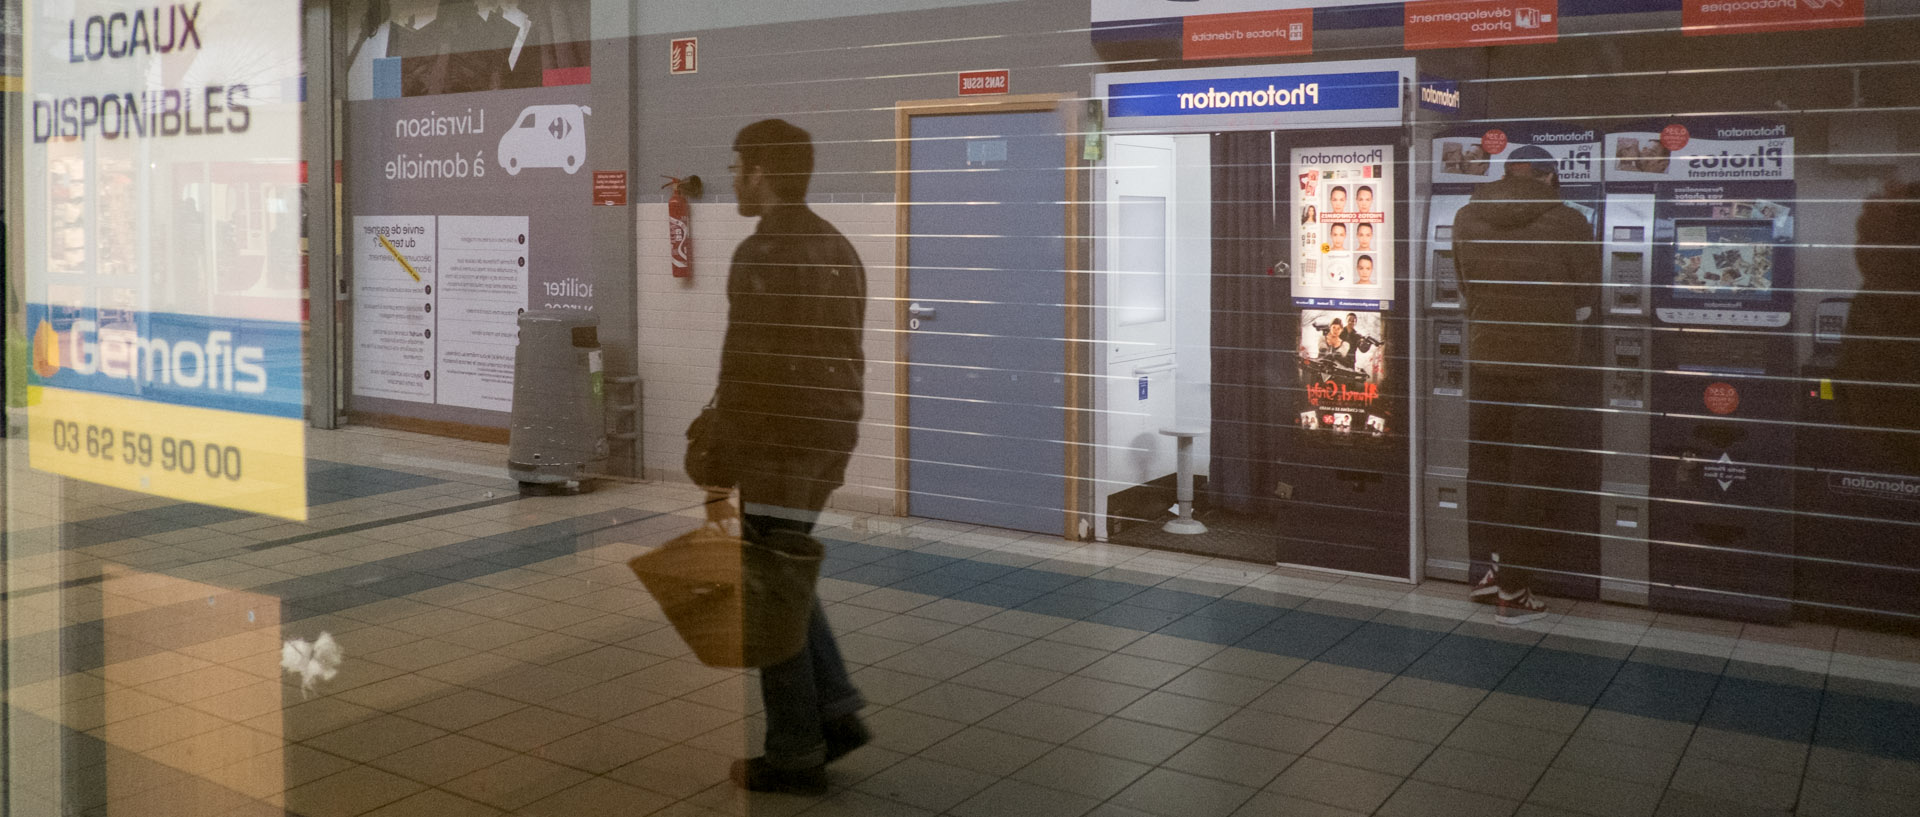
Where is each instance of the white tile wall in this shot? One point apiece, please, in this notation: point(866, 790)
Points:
point(681, 322)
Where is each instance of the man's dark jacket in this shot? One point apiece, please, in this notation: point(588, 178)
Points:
point(791, 366)
point(1529, 263)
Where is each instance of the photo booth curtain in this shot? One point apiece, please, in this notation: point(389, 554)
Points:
point(1253, 369)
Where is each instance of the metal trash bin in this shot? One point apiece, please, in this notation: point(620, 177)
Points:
point(559, 432)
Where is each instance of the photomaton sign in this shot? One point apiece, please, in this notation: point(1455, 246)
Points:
point(160, 147)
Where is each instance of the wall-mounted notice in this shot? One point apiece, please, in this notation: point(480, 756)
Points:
point(393, 307)
point(437, 301)
point(610, 188)
point(483, 290)
point(160, 154)
point(1343, 246)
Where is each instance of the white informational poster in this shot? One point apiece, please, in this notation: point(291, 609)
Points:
point(393, 295)
point(482, 291)
point(437, 302)
point(162, 191)
point(1343, 248)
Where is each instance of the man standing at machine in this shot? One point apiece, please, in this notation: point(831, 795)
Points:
point(1531, 269)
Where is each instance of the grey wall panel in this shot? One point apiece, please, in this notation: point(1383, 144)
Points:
point(840, 79)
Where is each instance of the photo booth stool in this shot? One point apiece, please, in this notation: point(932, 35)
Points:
point(1186, 523)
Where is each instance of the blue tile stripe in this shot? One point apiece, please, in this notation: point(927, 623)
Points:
point(1343, 635)
point(327, 482)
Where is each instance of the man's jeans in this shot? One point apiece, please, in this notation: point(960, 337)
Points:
point(807, 690)
point(1534, 472)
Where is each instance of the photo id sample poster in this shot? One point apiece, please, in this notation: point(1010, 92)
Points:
point(1343, 248)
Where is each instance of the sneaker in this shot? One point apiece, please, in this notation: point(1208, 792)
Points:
point(756, 774)
point(1487, 590)
point(844, 734)
point(1520, 608)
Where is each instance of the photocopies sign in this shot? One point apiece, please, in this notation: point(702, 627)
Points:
point(1705, 17)
point(162, 230)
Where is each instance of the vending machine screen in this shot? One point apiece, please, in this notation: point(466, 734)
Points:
point(1726, 272)
point(1720, 259)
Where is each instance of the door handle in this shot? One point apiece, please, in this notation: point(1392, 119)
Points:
point(1154, 368)
point(918, 311)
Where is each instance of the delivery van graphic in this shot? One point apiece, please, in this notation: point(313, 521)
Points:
point(546, 136)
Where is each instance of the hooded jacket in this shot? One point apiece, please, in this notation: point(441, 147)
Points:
point(1529, 263)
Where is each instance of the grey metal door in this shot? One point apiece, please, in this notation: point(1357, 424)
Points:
point(986, 349)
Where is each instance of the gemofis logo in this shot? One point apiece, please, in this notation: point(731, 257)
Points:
point(211, 362)
point(185, 359)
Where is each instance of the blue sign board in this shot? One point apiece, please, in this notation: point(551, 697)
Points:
point(1266, 94)
point(1439, 94)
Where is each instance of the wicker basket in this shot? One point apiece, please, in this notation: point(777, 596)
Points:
point(736, 603)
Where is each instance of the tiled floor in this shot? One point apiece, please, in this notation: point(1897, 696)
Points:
point(501, 659)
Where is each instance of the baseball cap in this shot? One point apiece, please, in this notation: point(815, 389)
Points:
point(1535, 155)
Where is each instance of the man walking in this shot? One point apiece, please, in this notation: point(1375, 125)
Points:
point(1532, 273)
point(788, 411)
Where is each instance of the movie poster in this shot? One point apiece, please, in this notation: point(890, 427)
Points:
point(1343, 373)
point(1343, 254)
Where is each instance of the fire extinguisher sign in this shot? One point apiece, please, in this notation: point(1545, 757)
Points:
point(686, 55)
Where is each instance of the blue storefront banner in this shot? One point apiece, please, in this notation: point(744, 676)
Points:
point(248, 366)
point(1370, 90)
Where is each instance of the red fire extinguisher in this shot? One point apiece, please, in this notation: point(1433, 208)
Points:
point(680, 224)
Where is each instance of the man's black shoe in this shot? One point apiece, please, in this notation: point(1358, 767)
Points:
point(756, 774)
point(844, 734)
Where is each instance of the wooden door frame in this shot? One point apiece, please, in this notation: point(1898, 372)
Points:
point(1077, 288)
